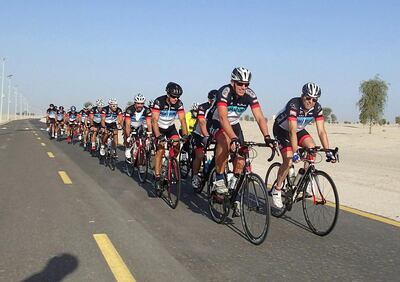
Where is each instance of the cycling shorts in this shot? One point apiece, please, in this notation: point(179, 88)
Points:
point(170, 132)
point(216, 129)
point(284, 140)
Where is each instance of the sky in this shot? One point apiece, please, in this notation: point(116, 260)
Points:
point(70, 52)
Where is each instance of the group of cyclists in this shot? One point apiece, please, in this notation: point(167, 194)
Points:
point(215, 120)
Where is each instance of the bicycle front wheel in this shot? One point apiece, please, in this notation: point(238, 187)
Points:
point(270, 180)
point(219, 205)
point(184, 163)
point(174, 183)
point(320, 203)
point(254, 209)
point(142, 166)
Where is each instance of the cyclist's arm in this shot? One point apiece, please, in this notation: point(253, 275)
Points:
point(203, 127)
point(148, 123)
point(323, 136)
point(127, 126)
point(79, 118)
point(103, 120)
point(120, 119)
point(261, 120)
point(154, 120)
point(182, 119)
point(223, 119)
point(293, 134)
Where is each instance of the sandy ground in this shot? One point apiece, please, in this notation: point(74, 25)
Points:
point(368, 174)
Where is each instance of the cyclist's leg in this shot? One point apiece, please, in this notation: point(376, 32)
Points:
point(287, 153)
point(306, 141)
point(238, 162)
point(173, 135)
point(159, 155)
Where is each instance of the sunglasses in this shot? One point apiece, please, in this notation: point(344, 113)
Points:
point(311, 98)
point(173, 97)
point(242, 84)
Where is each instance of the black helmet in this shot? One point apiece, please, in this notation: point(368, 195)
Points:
point(212, 94)
point(173, 89)
point(51, 106)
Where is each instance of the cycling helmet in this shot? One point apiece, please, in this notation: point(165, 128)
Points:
point(150, 103)
point(311, 89)
point(241, 74)
point(212, 94)
point(99, 103)
point(194, 107)
point(73, 109)
point(113, 101)
point(51, 106)
point(173, 89)
point(61, 108)
point(139, 98)
point(55, 107)
point(87, 106)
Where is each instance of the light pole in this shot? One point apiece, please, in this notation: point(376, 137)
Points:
point(9, 96)
point(2, 91)
point(20, 105)
point(16, 101)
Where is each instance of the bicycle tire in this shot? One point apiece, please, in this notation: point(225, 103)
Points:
point(142, 161)
point(270, 180)
point(129, 169)
point(253, 204)
point(174, 183)
point(219, 205)
point(184, 164)
point(326, 200)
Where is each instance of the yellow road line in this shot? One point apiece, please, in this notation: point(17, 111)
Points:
point(50, 154)
point(43, 144)
point(65, 178)
point(113, 259)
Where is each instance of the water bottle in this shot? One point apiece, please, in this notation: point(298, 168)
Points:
point(206, 166)
point(232, 182)
point(299, 176)
point(292, 175)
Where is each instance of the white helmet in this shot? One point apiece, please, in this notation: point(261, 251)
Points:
point(99, 103)
point(139, 98)
point(194, 107)
point(113, 101)
point(311, 89)
point(241, 74)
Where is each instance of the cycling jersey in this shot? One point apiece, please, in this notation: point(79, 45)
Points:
point(137, 118)
point(190, 121)
point(96, 115)
point(51, 113)
point(294, 111)
point(84, 116)
point(111, 116)
point(236, 104)
point(60, 115)
point(204, 111)
point(72, 116)
point(167, 111)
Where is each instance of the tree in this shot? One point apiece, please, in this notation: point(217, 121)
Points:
point(397, 120)
point(87, 104)
point(382, 121)
point(333, 118)
point(130, 103)
point(327, 114)
point(372, 101)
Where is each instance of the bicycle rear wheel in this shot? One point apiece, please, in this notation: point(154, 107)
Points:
point(174, 183)
point(321, 206)
point(219, 205)
point(254, 209)
point(270, 181)
point(142, 165)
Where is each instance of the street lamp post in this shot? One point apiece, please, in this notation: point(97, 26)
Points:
point(2, 91)
point(16, 101)
point(20, 105)
point(9, 96)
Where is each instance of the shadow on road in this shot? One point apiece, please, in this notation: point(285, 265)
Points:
point(57, 269)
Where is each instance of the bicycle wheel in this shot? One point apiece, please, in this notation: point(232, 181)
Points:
point(174, 183)
point(142, 165)
point(184, 163)
point(255, 209)
point(129, 169)
point(321, 206)
point(112, 162)
point(270, 180)
point(218, 205)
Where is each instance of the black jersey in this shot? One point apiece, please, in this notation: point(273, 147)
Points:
point(72, 116)
point(95, 113)
point(60, 115)
point(236, 104)
point(167, 111)
point(294, 111)
point(51, 113)
point(84, 115)
point(111, 116)
point(203, 112)
point(137, 118)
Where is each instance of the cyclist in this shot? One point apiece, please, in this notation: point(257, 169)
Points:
point(95, 121)
point(200, 135)
point(232, 100)
point(111, 119)
point(59, 120)
point(191, 117)
point(51, 119)
point(71, 119)
point(164, 113)
point(289, 130)
point(85, 122)
point(138, 119)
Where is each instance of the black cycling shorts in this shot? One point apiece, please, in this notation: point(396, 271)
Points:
point(170, 132)
point(216, 129)
point(284, 140)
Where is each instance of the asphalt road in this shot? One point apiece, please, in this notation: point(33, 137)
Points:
point(48, 228)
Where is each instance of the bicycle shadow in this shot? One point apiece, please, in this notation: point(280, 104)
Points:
point(292, 219)
point(56, 269)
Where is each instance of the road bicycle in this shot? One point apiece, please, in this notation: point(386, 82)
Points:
point(110, 157)
point(140, 156)
point(314, 188)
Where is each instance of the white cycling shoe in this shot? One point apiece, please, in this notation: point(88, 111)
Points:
point(220, 186)
point(128, 153)
point(196, 181)
point(102, 151)
point(277, 198)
